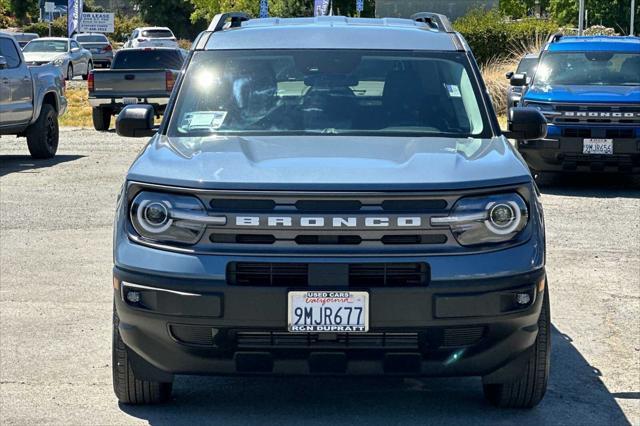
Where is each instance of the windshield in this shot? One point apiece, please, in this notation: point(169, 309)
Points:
point(528, 66)
point(148, 59)
point(589, 69)
point(46, 46)
point(91, 39)
point(328, 92)
point(157, 33)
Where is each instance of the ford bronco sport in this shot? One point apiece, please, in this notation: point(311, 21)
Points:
point(330, 196)
point(588, 88)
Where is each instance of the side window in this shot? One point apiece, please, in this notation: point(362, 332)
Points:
point(8, 50)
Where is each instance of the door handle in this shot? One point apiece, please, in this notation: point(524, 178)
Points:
point(5, 80)
point(26, 78)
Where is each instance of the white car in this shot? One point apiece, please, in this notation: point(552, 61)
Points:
point(151, 37)
point(66, 54)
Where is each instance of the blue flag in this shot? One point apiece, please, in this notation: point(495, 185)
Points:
point(74, 14)
point(321, 7)
point(264, 8)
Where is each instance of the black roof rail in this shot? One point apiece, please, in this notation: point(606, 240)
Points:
point(219, 21)
point(436, 21)
point(554, 37)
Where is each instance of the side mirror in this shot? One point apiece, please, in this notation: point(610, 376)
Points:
point(526, 124)
point(3, 62)
point(135, 121)
point(518, 79)
point(509, 75)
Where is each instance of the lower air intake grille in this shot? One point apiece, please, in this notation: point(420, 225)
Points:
point(277, 340)
point(297, 274)
point(463, 336)
point(192, 335)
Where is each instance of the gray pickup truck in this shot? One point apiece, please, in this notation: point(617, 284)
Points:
point(137, 76)
point(31, 99)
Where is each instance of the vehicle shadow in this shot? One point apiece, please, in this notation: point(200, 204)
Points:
point(24, 163)
point(593, 185)
point(576, 395)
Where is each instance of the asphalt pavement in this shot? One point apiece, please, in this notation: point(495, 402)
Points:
point(55, 314)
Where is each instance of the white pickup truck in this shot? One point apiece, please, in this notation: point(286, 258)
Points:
point(31, 99)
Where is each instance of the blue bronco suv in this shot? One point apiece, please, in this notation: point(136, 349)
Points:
point(330, 196)
point(588, 88)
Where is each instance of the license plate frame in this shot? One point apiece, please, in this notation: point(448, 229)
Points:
point(595, 146)
point(318, 301)
point(129, 101)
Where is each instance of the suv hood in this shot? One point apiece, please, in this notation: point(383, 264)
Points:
point(584, 94)
point(329, 162)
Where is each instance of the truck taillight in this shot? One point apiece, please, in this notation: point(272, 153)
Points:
point(91, 82)
point(169, 80)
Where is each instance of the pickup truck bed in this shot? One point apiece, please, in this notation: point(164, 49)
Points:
point(137, 76)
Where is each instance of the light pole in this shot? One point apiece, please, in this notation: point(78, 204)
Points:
point(581, 18)
point(633, 16)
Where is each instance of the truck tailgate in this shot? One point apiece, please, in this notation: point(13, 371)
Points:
point(134, 83)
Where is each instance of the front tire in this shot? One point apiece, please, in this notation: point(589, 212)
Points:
point(128, 388)
point(528, 390)
point(43, 135)
point(101, 118)
point(70, 72)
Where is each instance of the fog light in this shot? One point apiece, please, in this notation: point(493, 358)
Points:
point(523, 298)
point(133, 296)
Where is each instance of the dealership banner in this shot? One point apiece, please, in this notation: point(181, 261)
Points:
point(321, 7)
point(94, 22)
point(74, 14)
point(264, 8)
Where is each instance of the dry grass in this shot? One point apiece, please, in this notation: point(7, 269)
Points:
point(78, 109)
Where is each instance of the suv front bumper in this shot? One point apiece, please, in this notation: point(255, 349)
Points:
point(189, 326)
point(565, 154)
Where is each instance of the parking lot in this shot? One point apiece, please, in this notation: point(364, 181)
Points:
point(55, 313)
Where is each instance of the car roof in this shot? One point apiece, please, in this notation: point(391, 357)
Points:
point(53, 39)
point(333, 32)
point(595, 43)
point(154, 28)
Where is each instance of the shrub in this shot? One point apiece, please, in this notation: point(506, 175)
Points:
point(491, 35)
point(58, 28)
point(124, 25)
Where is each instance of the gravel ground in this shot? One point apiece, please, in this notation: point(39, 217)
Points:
point(55, 314)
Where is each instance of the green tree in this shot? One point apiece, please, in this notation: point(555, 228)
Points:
point(206, 9)
point(610, 13)
point(174, 14)
point(565, 12)
point(24, 10)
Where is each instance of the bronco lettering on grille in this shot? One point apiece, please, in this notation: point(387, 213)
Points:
point(332, 222)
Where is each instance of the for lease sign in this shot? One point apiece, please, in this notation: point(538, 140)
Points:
point(94, 22)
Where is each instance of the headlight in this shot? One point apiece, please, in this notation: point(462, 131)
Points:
point(490, 219)
point(170, 218)
point(58, 61)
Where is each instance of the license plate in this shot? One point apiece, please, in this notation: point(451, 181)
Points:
point(129, 101)
point(96, 50)
point(328, 311)
point(598, 146)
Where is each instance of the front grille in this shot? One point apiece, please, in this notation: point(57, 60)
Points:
point(268, 274)
point(594, 114)
point(387, 274)
point(340, 341)
point(357, 274)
